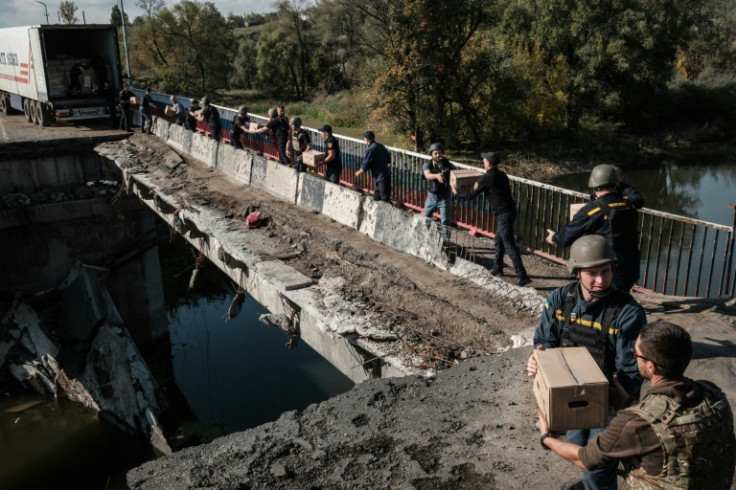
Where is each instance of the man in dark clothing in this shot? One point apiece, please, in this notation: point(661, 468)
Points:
point(280, 131)
point(211, 116)
point(193, 114)
point(333, 160)
point(75, 85)
point(495, 184)
point(630, 193)
point(612, 217)
point(145, 110)
point(238, 127)
point(377, 159)
point(679, 436)
point(126, 113)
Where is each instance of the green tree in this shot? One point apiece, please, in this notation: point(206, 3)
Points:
point(245, 67)
point(276, 62)
point(425, 49)
point(198, 45)
point(620, 53)
point(116, 18)
point(68, 12)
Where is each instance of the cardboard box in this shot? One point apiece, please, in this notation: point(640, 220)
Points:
point(570, 389)
point(170, 110)
point(254, 125)
point(464, 179)
point(313, 158)
point(574, 208)
point(134, 100)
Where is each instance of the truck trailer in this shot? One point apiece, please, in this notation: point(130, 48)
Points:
point(58, 72)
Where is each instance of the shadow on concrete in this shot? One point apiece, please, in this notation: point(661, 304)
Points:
point(715, 348)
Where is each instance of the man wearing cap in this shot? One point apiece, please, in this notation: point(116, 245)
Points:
point(590, 313)
point(377, 159)
point(333, 160)
point(145, 110)
point(611, 216)
point(238, 127)
point(439, 196)
point(495, 184)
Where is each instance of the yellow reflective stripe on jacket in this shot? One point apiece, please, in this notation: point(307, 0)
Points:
point(618, 204)
point(593, 211)
point(586, 323)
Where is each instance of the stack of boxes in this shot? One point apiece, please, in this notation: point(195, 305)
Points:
point(58, 73)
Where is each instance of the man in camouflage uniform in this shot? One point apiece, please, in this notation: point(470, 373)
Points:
point(679, 436)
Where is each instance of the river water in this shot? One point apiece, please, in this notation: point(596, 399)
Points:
point(230, 375)
point(701, 190)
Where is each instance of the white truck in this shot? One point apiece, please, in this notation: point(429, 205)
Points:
point(58, 72)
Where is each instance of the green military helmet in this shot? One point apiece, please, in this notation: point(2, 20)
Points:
point(296, 121)
point(273, 112)
point(243, 110)
point(589, 251)
point(436, 146)
point(603, 176)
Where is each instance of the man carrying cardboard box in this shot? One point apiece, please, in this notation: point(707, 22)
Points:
point(495, 184)
point(679, 436)
point(333, 160)
point(591, 313)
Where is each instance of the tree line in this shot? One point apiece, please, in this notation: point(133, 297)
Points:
point(465, 72)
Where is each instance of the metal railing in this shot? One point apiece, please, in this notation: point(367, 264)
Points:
point(680, 256)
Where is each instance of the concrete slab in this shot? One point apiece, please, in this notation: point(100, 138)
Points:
point(258, 172)
point(161, 128)
point(342, 204)
point(204, 148)
point(282, 275)
point(311, 192)
point(235, 162)
point(280, 180)
point(180, 138)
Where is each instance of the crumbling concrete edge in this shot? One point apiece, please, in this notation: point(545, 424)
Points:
point(296, 297)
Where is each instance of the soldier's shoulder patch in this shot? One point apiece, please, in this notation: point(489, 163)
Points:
point(330, 145)
point(546, 304)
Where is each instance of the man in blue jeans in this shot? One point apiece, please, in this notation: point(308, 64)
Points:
point(592, 313)
point(495, 184)
point(437, 174)
point(377, 159)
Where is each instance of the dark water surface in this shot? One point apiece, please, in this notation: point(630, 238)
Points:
point(233, 373)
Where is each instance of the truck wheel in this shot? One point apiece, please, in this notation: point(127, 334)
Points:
point(42, 115)
point(27, 110)
point(32, 105)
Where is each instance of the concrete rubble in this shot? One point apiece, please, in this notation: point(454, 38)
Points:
point(91, 358)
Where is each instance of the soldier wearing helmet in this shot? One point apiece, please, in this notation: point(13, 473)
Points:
point(591, 313)
point(679, 436)
point(611, 216)
point(298, 143)
point(238, 127)
point(439, 196)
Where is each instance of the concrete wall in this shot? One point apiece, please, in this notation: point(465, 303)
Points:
point(53, 172)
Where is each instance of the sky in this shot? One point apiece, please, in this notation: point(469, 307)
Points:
point(28, 12)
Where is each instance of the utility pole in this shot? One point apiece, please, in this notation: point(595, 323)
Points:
point(125, 40)
point(45, 10)
point(84, 19)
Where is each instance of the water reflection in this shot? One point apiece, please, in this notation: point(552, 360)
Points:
point(697, 190)
point(238, 372)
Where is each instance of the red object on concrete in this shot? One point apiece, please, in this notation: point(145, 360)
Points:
point(253, 219)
